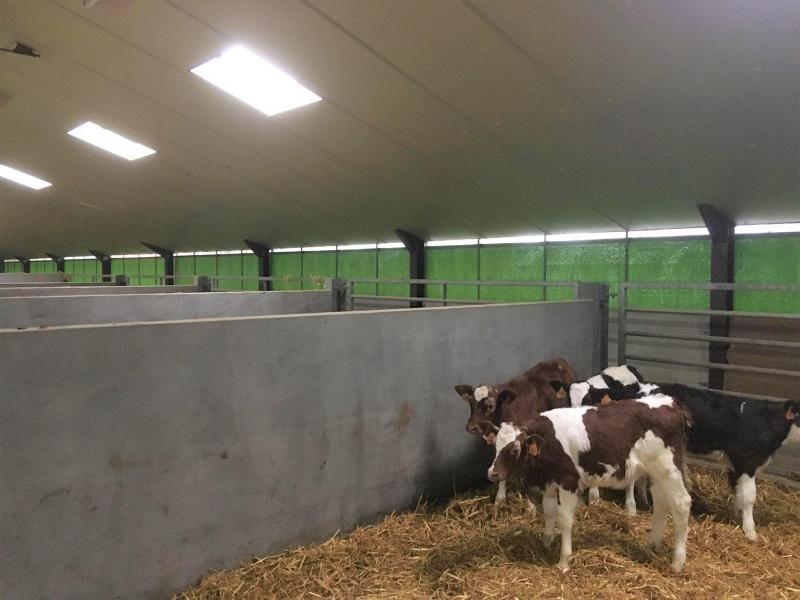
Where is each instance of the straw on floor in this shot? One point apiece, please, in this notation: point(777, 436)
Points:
point(467, 550)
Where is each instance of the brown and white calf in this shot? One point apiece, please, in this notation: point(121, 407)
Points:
point(614, 383)
point(515, 401)
point(567, 449)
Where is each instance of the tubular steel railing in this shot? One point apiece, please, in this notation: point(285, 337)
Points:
point(445, 299)
point(625, 309)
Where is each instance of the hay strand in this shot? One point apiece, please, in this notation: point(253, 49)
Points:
point(466, 549)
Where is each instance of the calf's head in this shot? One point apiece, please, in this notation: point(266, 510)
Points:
point(484, 406)
point(512, 455)
point(791, 412)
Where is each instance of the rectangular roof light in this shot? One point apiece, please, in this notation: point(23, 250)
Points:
point(517, 239)
point(93, 134)
point(666, 233)
point(16, 176)
point(254, 81)
point(769, 228)
point(585, 237)
point(441, 243)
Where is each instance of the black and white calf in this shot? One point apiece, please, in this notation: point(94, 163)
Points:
point(614, 383)
point(748, 431)
point(566, 449)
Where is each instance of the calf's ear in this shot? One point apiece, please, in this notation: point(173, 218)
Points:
point(606, 399)
point(791, 410)
point(507, 396)
point(463, 390)
point(560, 388)
point(490, 426)
point(535, 444)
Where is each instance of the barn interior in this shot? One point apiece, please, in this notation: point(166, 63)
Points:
point(202, 294)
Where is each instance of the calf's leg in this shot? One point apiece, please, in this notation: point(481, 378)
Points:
point(550, 509)
point(630, 501)
point(500, 498)
point(659, 516)
point(745, 499)
point(641, 490)
point(568, 502)
point(679, 502)
point(529, 495)
point(594, 495)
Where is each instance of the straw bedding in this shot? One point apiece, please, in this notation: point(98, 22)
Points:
point(467, 550)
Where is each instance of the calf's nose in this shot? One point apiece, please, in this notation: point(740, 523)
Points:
point(492, 474)
point(473, 429)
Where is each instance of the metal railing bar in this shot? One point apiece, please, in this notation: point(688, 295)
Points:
point(730, 313)
point(443, 301)
point(715, 338)
point(475, 282)
point(733, 287)
point(710, 365)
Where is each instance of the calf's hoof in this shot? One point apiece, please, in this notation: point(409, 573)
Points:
point(594, 495)
point(563, 564)
point(630, 509)
point(677, 565)
point(547, 541)
point(751, 535)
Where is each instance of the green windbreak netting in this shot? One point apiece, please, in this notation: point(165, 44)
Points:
point(512, 262)
point(452, 263)
point(768, 260)
point(249, 269)
point(184, 270)
point(229, 265)
point(148, 269)
point(358, 263)
point(118, 267)
point(43, 266)
point(669, 261)
point(591, 262)
point(13, 267)
point(83, 270)
point(286, 264)
point(393, 264)
point(318, 264)
point(205, 264)
point(130, 267)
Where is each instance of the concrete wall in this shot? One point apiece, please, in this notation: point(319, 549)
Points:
point(134, 458)
point(31, 277)
point(90, 290)
point(83, 310)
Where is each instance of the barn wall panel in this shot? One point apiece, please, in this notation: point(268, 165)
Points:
point(182, 447)
point(126, 308)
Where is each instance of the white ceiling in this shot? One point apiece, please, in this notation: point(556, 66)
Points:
point(448, 118)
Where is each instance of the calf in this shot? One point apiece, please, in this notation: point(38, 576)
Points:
point(515, 401)
point(748, 431)
point(614, 383)
point(519, 398)
point(566, 449)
